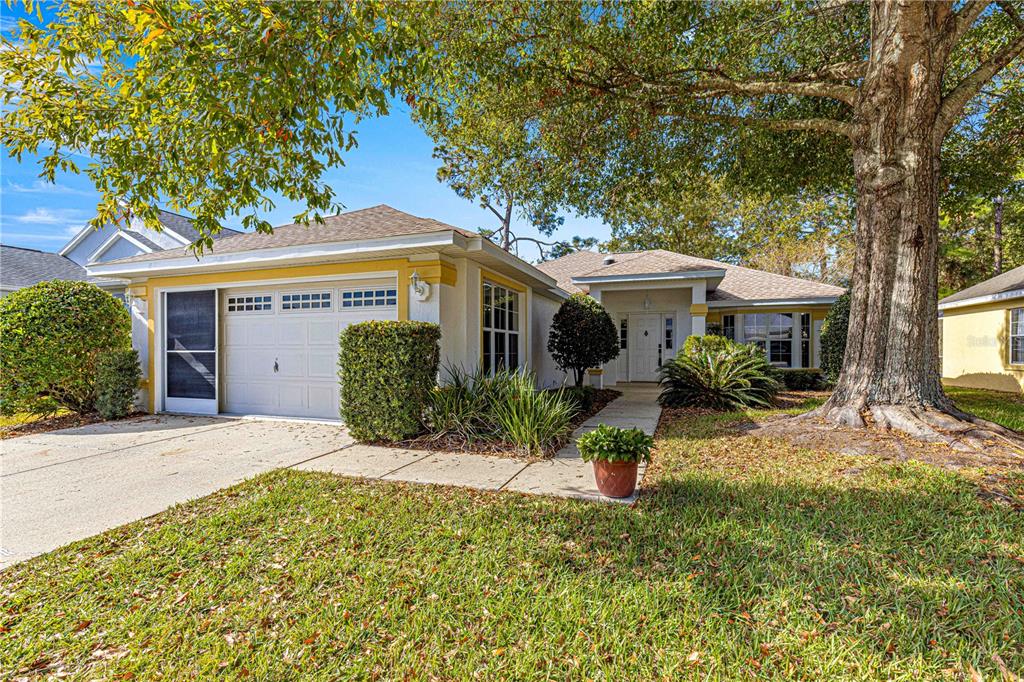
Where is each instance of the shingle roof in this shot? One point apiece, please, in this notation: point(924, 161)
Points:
point(144, 239)
point(739, 283)
point(369, 223)
point(1010, 280)
point(24, 267)
point(183, 226)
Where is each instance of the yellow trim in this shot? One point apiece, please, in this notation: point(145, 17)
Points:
point(435, 272)
point(139, 292)
point(594, 371)
point(501, 280)
point(699, 309)
point(821, 309)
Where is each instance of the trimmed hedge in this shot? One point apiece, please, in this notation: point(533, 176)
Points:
point(51, 334)
point(387, 370)
point(117, 381)
point(833, 338)
point(802, 379)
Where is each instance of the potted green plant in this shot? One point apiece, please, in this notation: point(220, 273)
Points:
point(615, 454)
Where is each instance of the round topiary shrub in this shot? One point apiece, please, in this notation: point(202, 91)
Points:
point(50, 336)
point(833, 338)
point(117, 382)
point(582, 336)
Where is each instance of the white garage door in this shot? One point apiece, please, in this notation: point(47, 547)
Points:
point(280, 345)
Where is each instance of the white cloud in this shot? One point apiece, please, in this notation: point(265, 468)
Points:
point(41, 187)
point(47, 216)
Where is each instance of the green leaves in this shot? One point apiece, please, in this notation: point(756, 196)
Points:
point(582, 336)
point(718, 373)
point(209, 107)
point(613, 444)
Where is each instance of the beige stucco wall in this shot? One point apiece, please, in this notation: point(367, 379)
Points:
point(620, 303)
point(975, 347)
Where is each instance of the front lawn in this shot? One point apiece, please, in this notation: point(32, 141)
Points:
point(996, 406)
point(745, 557)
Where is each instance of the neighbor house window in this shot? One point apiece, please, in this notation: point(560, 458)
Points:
point(1017, 336)
point(668, 333)
point(623, 333)
point(307, 300)
point(773, 333)
point(369, 298)
point(729, 327)
point(251, 303)
point(805, 339)
point(500, 328)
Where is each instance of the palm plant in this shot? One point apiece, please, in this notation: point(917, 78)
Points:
point(730, 377)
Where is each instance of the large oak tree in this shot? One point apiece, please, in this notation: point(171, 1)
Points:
point(631, 100)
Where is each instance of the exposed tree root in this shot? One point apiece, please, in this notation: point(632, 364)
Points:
point(958, 430)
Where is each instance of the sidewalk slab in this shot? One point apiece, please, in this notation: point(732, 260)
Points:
point(470, 471)
point(363, 461)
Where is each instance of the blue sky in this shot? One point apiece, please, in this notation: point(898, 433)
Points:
point(393, 165)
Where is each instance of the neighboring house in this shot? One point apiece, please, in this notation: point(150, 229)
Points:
point(658, 298)
point(983, 334)
point(20, 268)
point(252, 327)
point(24, 267)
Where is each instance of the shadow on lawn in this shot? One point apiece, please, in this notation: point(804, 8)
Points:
point(844, 556)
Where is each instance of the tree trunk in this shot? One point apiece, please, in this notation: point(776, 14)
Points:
point(891, 367)
point(997, 248)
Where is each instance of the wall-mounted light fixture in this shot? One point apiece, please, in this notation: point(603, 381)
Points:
point(647, 302)
point(420, 289)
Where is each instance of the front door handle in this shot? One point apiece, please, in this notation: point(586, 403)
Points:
point(275, 366)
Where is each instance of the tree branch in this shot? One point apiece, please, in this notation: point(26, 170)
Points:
point(841, 71)
point(821, 125)
point(1011, 12)
point(953, 104)
point(720, 84)
point(962, 21)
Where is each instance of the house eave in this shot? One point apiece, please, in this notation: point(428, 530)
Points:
point(273, 257)
point(978, 300)
point(645, 277)
point(814, 300)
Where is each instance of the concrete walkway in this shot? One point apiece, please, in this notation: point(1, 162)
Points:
point(566, 475)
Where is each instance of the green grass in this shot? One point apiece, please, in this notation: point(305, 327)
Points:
point(747, 557)
point(996, 406)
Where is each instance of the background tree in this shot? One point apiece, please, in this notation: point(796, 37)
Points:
point(782, 96)
point(582, 336)
point(209, 107)
point(803, 235)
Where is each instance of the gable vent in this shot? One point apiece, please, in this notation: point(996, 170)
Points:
point(608, 260)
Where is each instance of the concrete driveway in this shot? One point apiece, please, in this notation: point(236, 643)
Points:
point(63, 486)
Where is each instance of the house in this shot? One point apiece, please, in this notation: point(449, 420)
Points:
point(20, 267)
point(657, 298)
point(24, 267)
point(982, 331)
point(252, 327)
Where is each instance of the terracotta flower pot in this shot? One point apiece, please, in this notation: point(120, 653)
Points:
point(615, 479)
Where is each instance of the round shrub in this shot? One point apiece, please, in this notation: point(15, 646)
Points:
point(387, 371)
point(725, 377)
point(833, 338)
point(51, 334)
point(582, 336)
point(117, 381)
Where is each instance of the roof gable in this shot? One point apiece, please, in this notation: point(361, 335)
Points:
point(739, 284)
point(1009, 281)
point(377, 222)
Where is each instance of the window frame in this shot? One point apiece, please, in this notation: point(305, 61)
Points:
point(389, 297)
point(509, 331)
point(268, 295)
point(1017, 334)
point(286, 305)
point(768, 343)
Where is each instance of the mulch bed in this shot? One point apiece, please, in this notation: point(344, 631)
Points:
point(602, 398)
point(64, 421)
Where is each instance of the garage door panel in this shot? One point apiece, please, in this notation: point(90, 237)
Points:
point(305, 346)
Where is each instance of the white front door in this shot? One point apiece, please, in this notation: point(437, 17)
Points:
point(644, 347)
